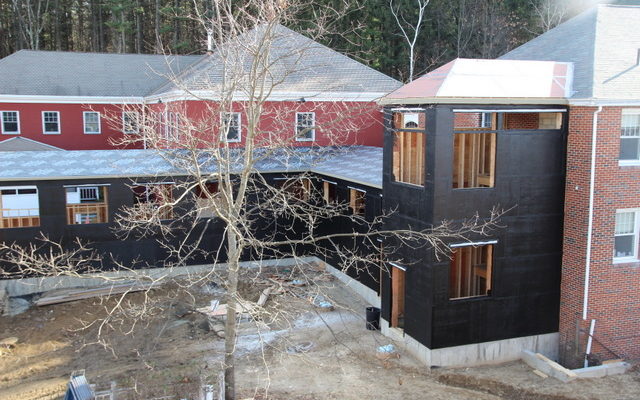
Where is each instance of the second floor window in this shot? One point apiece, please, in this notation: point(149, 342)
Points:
point(630, 136)
point(130, 122)
point(91, 122)
point(305, 126)
point(626, 236)
point(230, 126)
point(10, 122)
point(357, 201)
point(50, 122)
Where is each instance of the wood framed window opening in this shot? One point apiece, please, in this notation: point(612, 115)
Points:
point(357, 201)
point(154, 196)
point(329, 191)
point(409, 147)
point(470, 271)
point(87, 204)
point(474, 151)
point(205, 199)
point(19, 207)
point(397, 296)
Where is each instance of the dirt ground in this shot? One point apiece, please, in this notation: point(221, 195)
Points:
point(299, 351)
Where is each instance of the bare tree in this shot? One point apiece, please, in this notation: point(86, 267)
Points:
point(410, 30)
point(31, 17)
point(549, 13)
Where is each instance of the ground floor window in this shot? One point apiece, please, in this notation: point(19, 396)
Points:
point(470, 271)
point(297, 188)
point(357, 201)
point(87, 204)
point(626, 235)
point(206, 197)
point(152, 198)
point(19, 207)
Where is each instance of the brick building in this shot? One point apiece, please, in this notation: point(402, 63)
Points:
point(601, 267)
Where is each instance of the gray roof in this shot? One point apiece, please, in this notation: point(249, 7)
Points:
point(58, 73)
point(602, 43)
point(360, 164)
point(18, 143)
point(297, 64)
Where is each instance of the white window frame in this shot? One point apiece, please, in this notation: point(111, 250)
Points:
point(224, 138)
point(2, 122)
point(313, 131)
point(636, 161)
point(124, 124)
point(84, 123)
point(636, 236)
point(44, 131)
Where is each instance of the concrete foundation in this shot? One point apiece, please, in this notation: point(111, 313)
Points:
point(551, 368)
point(369, 295)
point(474, 354)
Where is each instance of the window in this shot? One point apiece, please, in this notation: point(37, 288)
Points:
point(357, 201)
point(130, 122)
point(51, 122)
point(87, 204)
point(305, 126)
point(91, 122)
point(408, 157)
point(154, 198)
point(409, 119)
point(206, 198)
point(19, 207)
point(10, 122)
point(630, 136)
point(329, 190)
point(299, 188)
point(470, 271)
point(474, 158)
point(230, 123)
point(626, 235)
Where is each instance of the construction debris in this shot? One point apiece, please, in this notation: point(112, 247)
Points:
point(387, 352)
point(320, 302)
point(66, 295)
point(300, 348)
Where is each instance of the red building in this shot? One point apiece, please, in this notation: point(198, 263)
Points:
point(83, 101)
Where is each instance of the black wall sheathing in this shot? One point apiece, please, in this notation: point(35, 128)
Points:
point(526, 267)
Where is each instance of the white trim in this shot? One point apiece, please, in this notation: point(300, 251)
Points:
point(2, 122)
point(84, 123)
point(592, 182)
point(313, 125)
point(400, 267)
point(44, 131)
point(604, 102)
point(357, 190)
point(475, 244)
point(474, 100)
point(86, 185)
point(511, 111)
point(408, 109)
point(274, 96)
point(132, 132)
point(331, 182)
point(224, 138)
point(629, 163)
point(10, 98)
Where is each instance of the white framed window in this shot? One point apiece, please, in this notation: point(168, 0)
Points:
point(625, 247)
point(305, 126)
point(51, 122)
point(91, 121)
point(130, 122)
point(630, 137)
point(10, 122)
point(230, 124)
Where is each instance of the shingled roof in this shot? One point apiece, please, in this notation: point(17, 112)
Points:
point(602, 43)
point(58, 73)
point(298, 64)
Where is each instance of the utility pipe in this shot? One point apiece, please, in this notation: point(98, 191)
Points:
point(589, 342)
point(594, 141)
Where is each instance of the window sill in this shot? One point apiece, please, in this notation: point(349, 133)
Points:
point(51, 133)
point(629, 163)
point(305, 140)
point(407, 184)
point(461, 299)
point(92, 133)
point(11, 133)
point(626, 260)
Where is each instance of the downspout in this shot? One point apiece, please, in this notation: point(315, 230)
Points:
point(594, 140)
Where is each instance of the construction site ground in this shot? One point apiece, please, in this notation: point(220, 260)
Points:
point(298, 351)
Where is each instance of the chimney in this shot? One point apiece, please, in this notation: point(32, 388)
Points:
point(209, 41)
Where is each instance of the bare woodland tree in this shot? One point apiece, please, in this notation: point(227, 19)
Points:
point(31, 19)
point(549, 13)
point(410, 30)
point(254, 58)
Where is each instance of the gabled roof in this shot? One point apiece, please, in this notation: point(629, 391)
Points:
point(58, 73)
point(488, 82)
point(297, 65)
point(359, 164)
point(23, 144)
point(602, 43)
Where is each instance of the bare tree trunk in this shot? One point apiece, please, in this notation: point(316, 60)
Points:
point(230, 326)
point(139, 25)
point(157, 28)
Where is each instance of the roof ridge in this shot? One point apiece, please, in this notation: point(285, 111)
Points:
point(104, 53)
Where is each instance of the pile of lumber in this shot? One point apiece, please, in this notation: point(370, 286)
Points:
point(66, 295)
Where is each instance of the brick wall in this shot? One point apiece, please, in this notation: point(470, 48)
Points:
point(614, 289)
